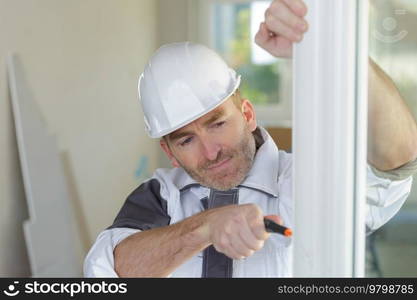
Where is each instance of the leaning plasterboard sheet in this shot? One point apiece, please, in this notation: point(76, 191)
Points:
point(49, 231)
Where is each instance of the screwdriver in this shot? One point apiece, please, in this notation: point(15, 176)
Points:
point(271, 226)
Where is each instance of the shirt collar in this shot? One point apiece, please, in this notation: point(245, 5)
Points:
point(263, 174)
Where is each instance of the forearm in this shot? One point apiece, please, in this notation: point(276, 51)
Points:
point(392, 130)
point(158, 252)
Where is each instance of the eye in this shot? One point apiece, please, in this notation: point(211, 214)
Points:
point(186, 141)
point(219, 124)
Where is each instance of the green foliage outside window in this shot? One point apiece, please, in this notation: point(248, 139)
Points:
point(259, 82)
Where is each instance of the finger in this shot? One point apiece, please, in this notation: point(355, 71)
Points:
point(223, 245)
point(262, 36)
point(282, 12)
point(239, 246)
point(229, 252)
point(255, 220)
point(232, 253)
point(249, 239)
point(297, 6)
point(280, 47)
point(276, 219)
point(258, 229)
point(276, 45)
point(282, 29)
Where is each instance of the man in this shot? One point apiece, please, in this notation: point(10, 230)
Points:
point(204, 218)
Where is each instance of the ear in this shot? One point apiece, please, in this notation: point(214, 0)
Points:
point(164, 145)
point(248, 112)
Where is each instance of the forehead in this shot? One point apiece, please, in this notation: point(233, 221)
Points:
point(218, 112)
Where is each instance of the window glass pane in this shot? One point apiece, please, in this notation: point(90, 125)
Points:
point(392, 249)
point(235, 25)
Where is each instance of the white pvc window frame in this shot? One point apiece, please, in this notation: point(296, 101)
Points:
point(329, 140)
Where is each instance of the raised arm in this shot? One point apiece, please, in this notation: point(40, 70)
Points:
point(392, 130)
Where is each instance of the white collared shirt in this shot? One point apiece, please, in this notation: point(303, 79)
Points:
point(268, 184)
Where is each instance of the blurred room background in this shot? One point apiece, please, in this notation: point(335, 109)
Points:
point(82, 59)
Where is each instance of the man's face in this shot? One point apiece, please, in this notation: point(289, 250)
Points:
point(216, 150)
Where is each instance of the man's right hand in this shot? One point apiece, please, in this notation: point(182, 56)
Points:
point(284, 25)
point(237, 230)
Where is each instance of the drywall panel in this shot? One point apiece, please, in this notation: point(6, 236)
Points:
point(49, 230)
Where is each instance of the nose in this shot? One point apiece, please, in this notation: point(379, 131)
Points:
point(210, 149)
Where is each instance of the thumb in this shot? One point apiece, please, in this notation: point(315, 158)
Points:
point(275, 218)
point(262, 36)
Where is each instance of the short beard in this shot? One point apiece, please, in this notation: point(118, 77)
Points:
point(243, 156)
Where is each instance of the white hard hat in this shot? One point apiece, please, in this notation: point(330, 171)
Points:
point(182, 82)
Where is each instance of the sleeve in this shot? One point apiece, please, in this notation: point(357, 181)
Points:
point(399, 173)
point(386, 193)
point(143, 209)
point(99, 261)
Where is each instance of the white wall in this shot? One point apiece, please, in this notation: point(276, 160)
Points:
point(82, 59)
point(176, 23)
point(173, 21)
